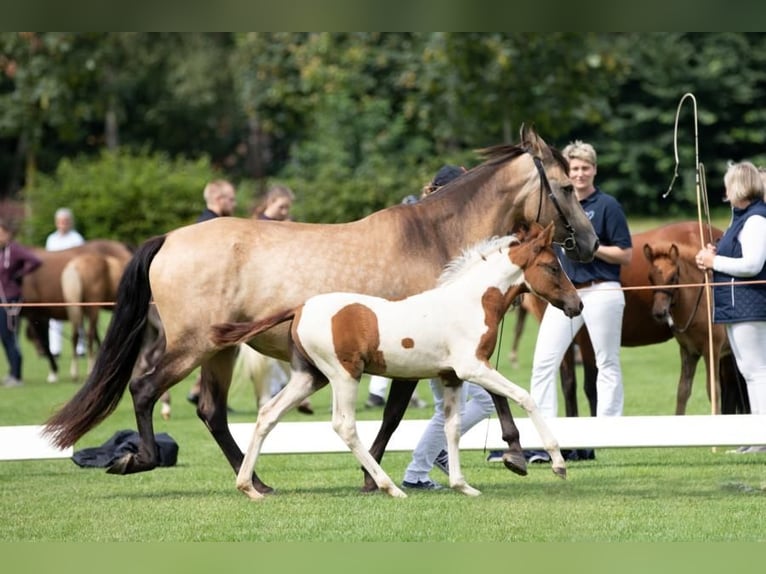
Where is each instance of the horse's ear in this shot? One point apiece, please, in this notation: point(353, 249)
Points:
point(673, 252)
point(532, 142)
point(648, 252)
point(548, 233)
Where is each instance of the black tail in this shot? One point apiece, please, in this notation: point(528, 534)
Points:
point(101, 393)
point(228, 334)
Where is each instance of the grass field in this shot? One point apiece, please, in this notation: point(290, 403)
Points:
point(638, 495)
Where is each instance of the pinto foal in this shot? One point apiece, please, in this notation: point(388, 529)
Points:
point(447, 332)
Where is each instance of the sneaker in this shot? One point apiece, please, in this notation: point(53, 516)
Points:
point(747, 450)
point(495, 456)
point(374, 401)
point(417, 403)
point(11, 381)
point(426, 484)
point(442, 462)
point(537, 456)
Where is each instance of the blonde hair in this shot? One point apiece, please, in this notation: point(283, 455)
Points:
point(580, 150)
point(274, 192)
point(214, 188)
point(744, 182)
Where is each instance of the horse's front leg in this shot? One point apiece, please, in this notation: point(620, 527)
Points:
point(399, 396)
point(513, 458)
point(689, 361)
point(452, 432)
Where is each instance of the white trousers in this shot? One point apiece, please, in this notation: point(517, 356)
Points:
point(379, 385)
point(603, 305)
point(748, 343)
point(55, 334)
point(475, 406)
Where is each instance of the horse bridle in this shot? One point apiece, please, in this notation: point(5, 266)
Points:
point(570, 243)
point(671, 294)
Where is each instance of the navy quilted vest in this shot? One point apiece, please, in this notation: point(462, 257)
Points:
point(735, 302)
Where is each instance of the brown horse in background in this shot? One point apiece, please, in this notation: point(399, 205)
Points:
point(639, 327)
point(89, 278)
point(685, 310)
point(229, 269)
point(44, 286)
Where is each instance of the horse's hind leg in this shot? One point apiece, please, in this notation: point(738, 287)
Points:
point(399, 397)
point(452, 431)
point(211, 409)
point(145, 391)
point(344, 393)
point(298, 388)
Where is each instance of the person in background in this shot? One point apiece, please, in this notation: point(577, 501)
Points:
point(64, 237)
point(17, 261)
point(598, 284)
point(475, 402)
point(739, 258)
point(220, 200)
point(276, 204)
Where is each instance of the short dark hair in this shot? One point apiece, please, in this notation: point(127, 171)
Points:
point(446, 174)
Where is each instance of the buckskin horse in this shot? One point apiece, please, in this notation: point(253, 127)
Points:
point(337, 337)
point(231, 269)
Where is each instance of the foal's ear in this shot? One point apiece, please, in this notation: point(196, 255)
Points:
point(673, 252)
point(648, 253)
point(548, 233)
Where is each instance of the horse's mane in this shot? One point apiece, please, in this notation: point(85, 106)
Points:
point(473, 255)
point(492, 157)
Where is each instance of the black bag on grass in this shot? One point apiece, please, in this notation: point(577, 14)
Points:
point(121, 443)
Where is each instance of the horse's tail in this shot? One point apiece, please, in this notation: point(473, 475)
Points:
point(106, 384)
point(228, 334)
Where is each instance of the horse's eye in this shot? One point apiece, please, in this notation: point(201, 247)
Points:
point(568, 188)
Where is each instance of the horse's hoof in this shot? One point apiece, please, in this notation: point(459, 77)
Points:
point(121, 465)
point(263, 488)
point(515, 462)
point(165, 412)
point(52, 378)
point(560, 471)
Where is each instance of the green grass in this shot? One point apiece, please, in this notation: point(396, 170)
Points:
point(640, 495)
point(673, 494)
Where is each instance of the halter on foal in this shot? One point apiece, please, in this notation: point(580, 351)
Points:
point(340, 336)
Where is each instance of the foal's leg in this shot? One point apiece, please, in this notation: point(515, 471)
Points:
point(344, 393)
point(297, 389)
point(689, 361)
point(399, 395)
point(452, 432)
point(495, 382)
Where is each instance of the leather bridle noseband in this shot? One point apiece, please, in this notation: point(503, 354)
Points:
point(570, 243)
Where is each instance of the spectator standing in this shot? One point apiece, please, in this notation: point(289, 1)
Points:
point(17, 261)
point(737, 261)
point(598, 284)
point(64, 237)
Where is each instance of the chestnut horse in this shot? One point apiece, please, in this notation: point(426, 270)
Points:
point(229, 269)
point(685, 311)
point(340, 336)
point(44, 286)
point(89, 278)
point(639, 327)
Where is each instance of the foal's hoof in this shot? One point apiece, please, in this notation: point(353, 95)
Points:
point(560, 471)
point(515, 462)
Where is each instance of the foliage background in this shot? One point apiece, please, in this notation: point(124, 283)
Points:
point(353, 122)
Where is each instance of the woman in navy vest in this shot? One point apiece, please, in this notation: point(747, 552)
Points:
point(738, 262)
